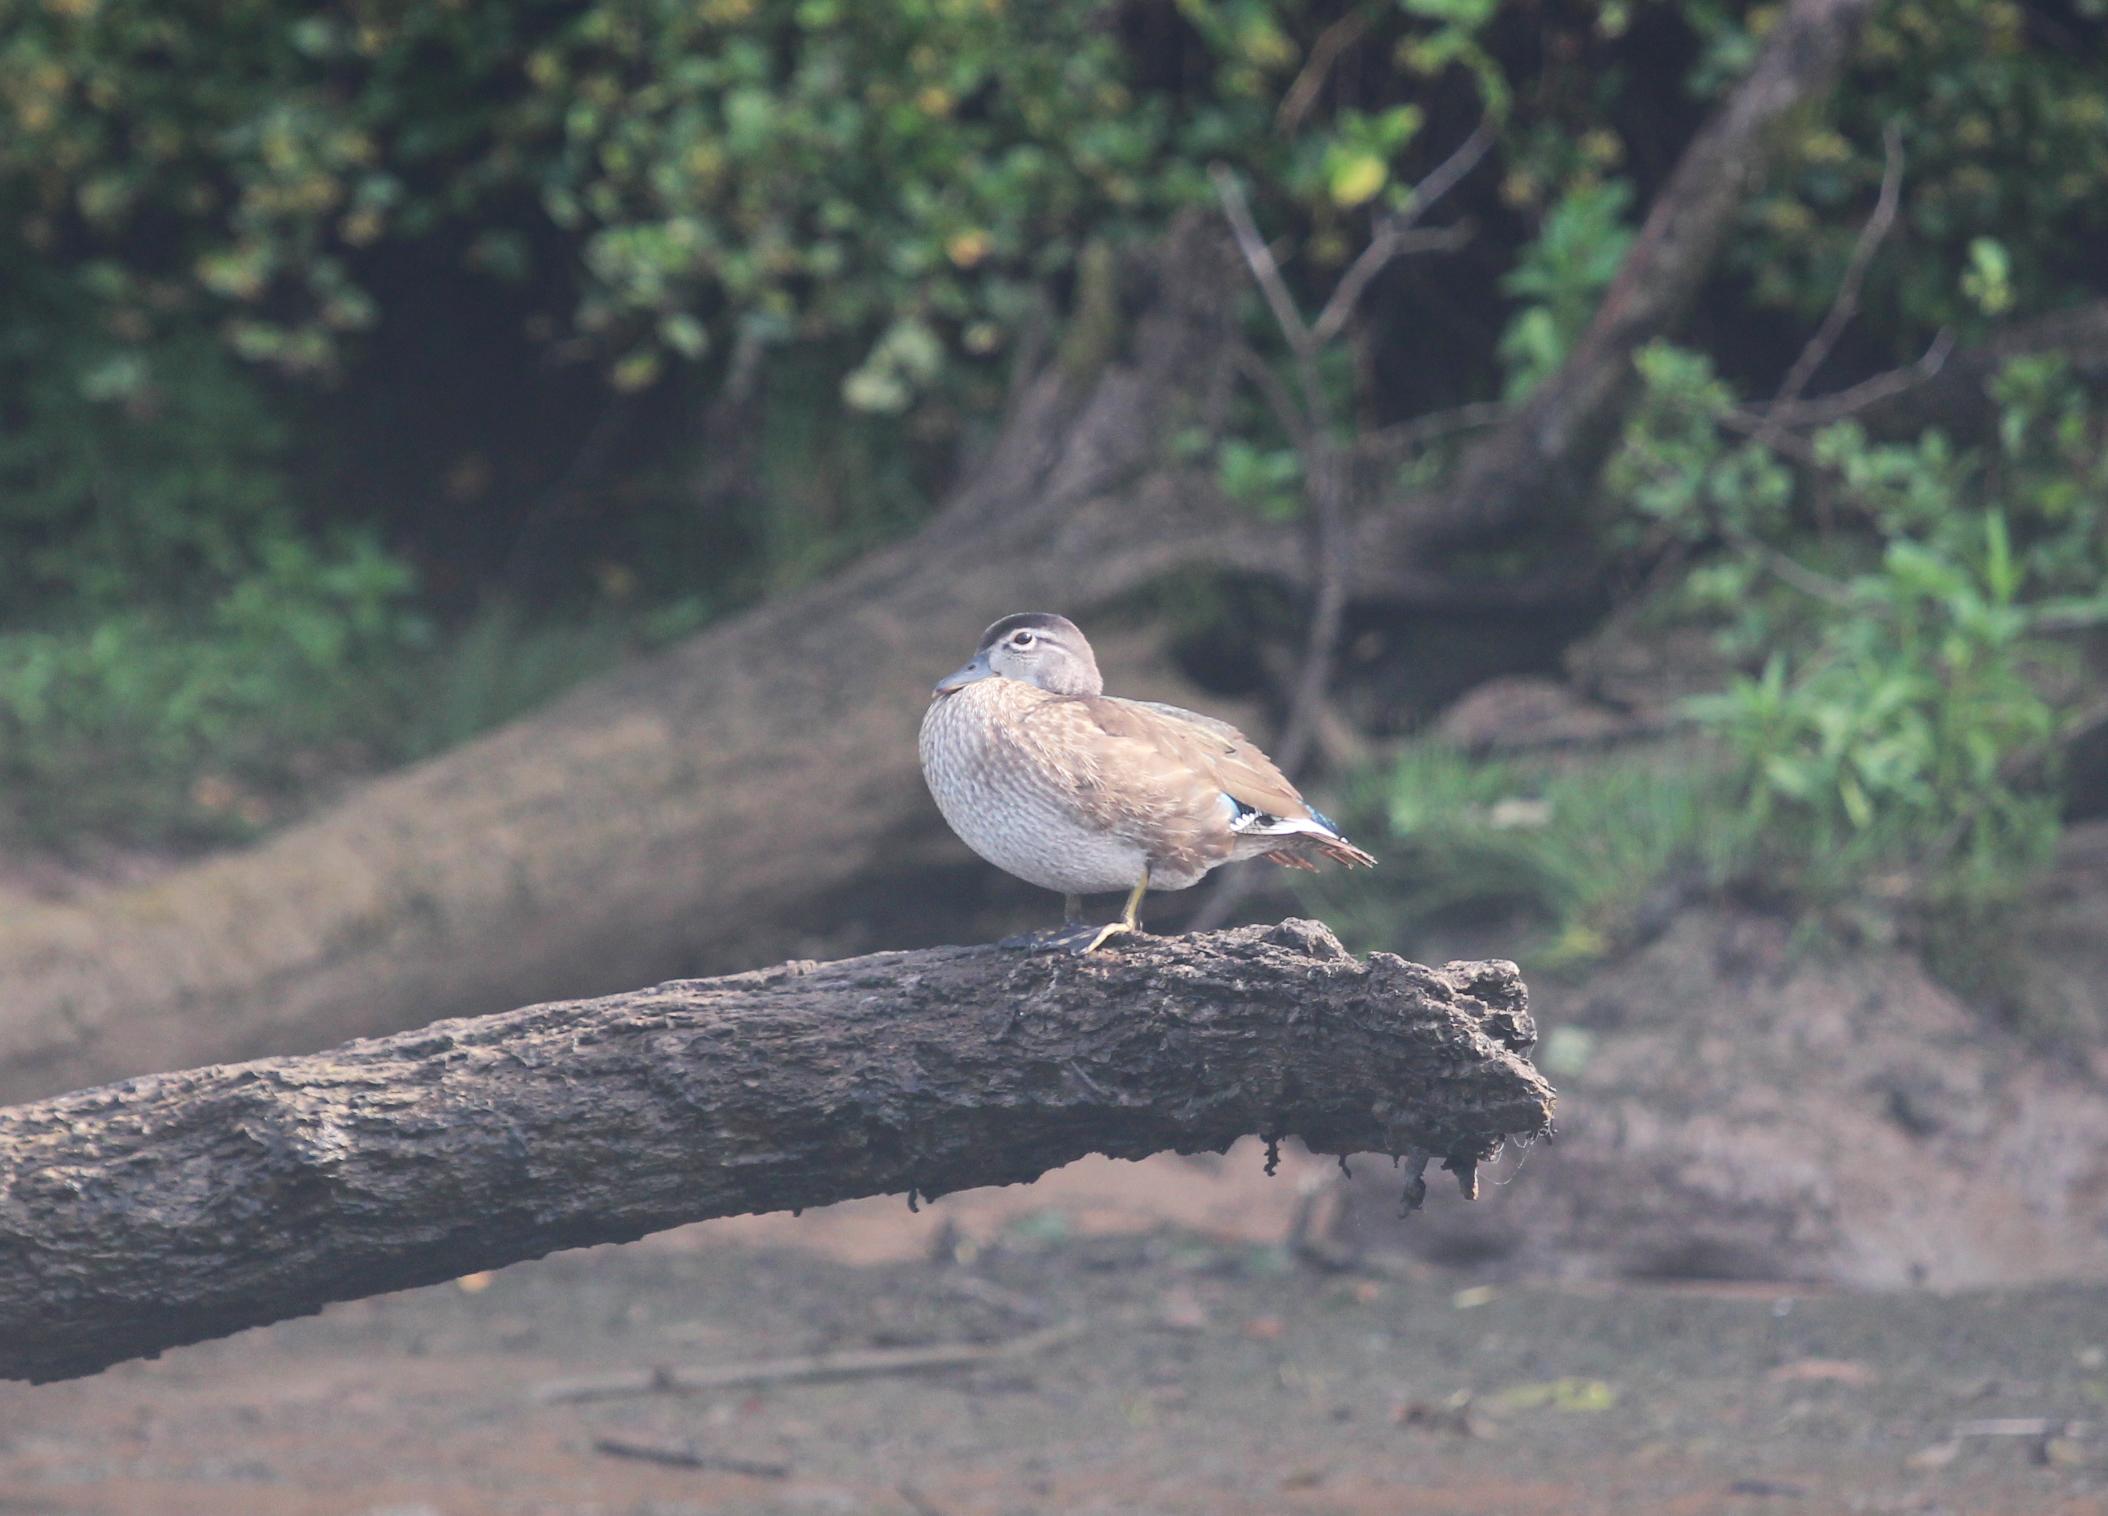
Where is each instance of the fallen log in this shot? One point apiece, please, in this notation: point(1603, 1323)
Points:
point(168, 1209)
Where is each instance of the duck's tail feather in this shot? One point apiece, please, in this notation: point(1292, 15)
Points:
point(1301, 836)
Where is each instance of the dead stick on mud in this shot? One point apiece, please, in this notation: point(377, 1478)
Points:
point(683, 1455)
point(169, 1209)
point(865, 1363)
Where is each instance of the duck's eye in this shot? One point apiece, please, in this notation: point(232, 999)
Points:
point(1022, 639)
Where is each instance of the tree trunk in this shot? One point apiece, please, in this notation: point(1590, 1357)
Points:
point(165, 1210)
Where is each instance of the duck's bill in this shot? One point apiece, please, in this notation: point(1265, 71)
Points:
point(962, 676)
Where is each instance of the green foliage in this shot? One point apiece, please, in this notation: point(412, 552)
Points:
point(1899, 737)
point(206, 728)
point(1269, 480)
point(128, 472)
point(152, 721)
point(502, 664)
point(1909, 746)
point(1578, 853)
point(2005, 183)
point(860, 214)
point(1675, 476)
point(1561, 277)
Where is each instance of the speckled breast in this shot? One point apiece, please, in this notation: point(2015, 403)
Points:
point(1008, 801)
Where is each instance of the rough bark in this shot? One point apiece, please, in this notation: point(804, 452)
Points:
point(177, 1207)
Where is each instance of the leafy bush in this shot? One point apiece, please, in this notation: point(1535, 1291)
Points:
point(1561, 276)
point(129, 474)
point(1909, 747)
point(2006, 160)
point(152, 722)
point(695, 178)
point(1901, 731)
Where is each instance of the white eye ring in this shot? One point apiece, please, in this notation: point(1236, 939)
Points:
point(1021, 639)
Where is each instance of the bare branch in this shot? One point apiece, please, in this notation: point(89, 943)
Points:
point(1409, 436)
point(1259, 258)
point(809, 1368)
point(1257, 372)
point(1791, 571)
point(1327, 466)
point(1846, 304)
point(1389, 246)
point(1825, 410)
point(1332, 41)
point(1395, 238)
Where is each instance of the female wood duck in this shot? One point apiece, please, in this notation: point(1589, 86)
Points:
point(1049, 778)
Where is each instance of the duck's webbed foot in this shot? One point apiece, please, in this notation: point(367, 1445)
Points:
point(1081, 937)
point(1098, 939)
point(1070, 936)
point(1130, 919)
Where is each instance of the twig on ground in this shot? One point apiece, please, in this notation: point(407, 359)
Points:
point(863, 1363)
point(988, 1292)
point(683, 1455)
point(2022, 1426)
point(918, 1502)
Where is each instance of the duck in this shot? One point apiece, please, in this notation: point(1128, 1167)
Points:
point(1044, 775)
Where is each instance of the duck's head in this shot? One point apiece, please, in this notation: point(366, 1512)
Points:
point(1033, 647)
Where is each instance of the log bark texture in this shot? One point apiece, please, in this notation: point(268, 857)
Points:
point(182, 1206)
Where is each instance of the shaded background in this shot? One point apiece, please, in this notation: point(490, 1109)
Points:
point(484, 488)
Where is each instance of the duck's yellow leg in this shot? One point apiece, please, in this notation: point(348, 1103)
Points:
point(1130, 919)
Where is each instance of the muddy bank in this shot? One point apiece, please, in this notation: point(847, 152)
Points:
point(1736, 1106)
point(1213, 1378)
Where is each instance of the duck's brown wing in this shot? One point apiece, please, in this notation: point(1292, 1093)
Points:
point(1256, 783)
point(1158, 773)
point(1233, 762)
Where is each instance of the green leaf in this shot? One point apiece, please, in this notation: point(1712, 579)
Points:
point(1355, 178)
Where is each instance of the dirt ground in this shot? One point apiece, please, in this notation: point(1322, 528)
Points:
point(1210, 1372)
